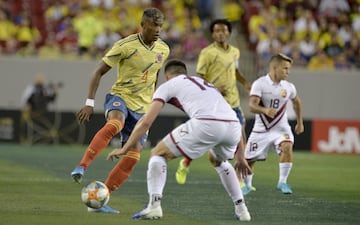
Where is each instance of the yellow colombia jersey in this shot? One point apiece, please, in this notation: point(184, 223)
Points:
point(138, 66)
point(218, 67)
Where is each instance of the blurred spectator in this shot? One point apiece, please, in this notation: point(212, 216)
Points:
point(88, 27)
point(55, 13)
point(321, 62)
point(205, 11)
point(307, 47)
point(330, 9)
point(26, 36)
point(105, 40)
point(7, 31)
point(233, 12)
point(258, 25)
point(298, 60)
point(345, 32)
point(51, 49)
point(106, 4)
point(331, 41)
point(36, 100)
point(352, 51)
point(267, 46)
point(341, 63)
point(355, 18)
point(37, 96)
point(305, 24)
point(68, 36)
point(283, 25)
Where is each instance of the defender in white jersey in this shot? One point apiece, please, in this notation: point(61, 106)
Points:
point(269, 96)
point(212, 125)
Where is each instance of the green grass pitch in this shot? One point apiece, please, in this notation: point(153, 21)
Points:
point(36, 189)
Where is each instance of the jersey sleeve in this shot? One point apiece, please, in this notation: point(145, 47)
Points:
point(162, 93)
point(114, 55)
point(293, 91)
point(201, 66)
point(255, 89)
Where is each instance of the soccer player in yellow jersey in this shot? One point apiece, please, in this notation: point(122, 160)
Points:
point(139, 58)
point(218, 64)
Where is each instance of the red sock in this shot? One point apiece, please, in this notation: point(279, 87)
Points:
point(187, 162)
point(100, 141)
point(122, 170)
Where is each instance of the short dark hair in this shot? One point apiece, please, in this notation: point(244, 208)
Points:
point(152, 13)
point(175, 66)
point(277, 58)
point(220, 21)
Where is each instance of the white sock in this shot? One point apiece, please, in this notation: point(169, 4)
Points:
point(156, 178)
point(284, 171)
point(248, 180)
point(230, 181)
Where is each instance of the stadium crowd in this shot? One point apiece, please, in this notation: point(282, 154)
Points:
point(317, 34)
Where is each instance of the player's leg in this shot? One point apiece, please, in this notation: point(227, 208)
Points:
point(229, 180)
point(285, 165)
point(122, 170)
point(116, 113)
point(241, 117)
point(248, 187)
point(256, 149)
point(156, 180)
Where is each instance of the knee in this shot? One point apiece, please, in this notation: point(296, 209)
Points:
point(286, 148)
point(213, 160)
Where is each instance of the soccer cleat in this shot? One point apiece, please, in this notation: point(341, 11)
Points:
point(242, 213)
point(181, 173)
point(242, 184)
point(104, 209)
point(284, 188)
point(78, 173)
point(246, 190)
point(149, 213)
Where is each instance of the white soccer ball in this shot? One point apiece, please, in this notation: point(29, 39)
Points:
point(95, 195)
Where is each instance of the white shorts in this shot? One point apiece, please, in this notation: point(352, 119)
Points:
point(259, 143)
point(195, 137)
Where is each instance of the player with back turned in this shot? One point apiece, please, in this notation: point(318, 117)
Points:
point(213, 127)
point(218, 64)
point(138, 58)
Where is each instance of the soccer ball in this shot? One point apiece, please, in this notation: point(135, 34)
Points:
point(95, 195)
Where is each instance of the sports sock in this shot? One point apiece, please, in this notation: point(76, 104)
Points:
point(100, 141)
point(156, 175)
point(122, 170)
point(186, 162)
point(284, 171)
point(229, 180)
point(248, 180)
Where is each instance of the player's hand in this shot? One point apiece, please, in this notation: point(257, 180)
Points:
point(84, 115)
point(242, 167)
point(116, 153)
point(270, 112)
point(299, 128)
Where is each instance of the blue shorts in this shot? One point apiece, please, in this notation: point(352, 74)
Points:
point(240, 116)
point(113, 102)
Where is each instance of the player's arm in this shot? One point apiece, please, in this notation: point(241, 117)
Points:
point(86, 112)
point(141, 127)
point(255, 107)
point(297, 106)
point(241, 78)
point(241, 165)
